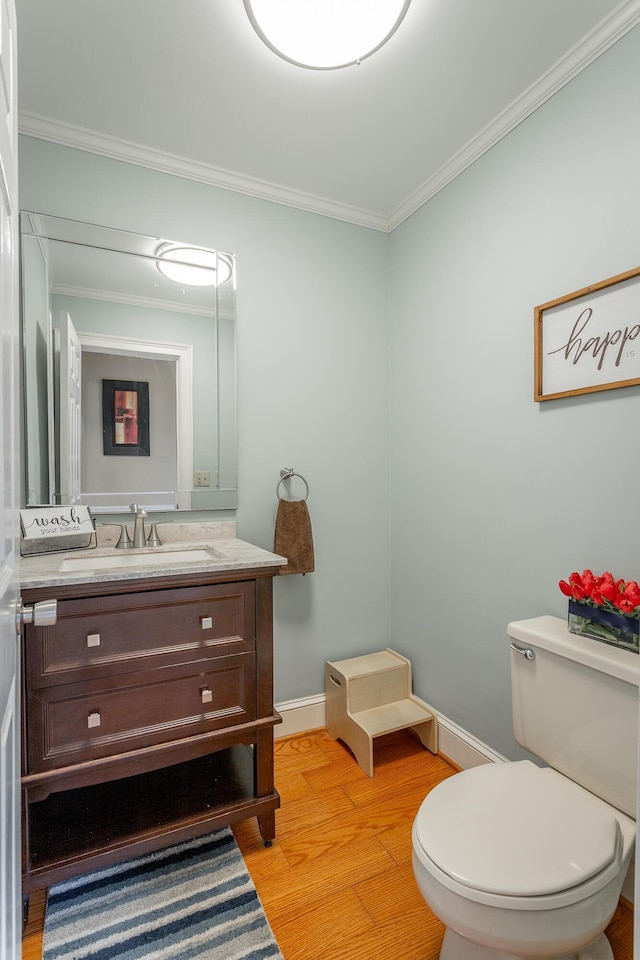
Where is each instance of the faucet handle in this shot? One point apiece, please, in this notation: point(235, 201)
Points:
point(153, 540)
point(125, 542)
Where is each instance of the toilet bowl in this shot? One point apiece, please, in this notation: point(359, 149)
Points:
point(518, 861)
point(526, 861)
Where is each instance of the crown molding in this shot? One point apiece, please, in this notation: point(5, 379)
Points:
point(609, 31)
point(604, 35)
point(131, 300)
point(69, 135)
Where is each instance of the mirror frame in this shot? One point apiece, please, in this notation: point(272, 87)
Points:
point(40, 442)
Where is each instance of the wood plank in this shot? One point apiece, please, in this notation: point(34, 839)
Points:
point(312, 814)
point(300, 888)
point(312, 934)
point(350, 827)
point(394, 894)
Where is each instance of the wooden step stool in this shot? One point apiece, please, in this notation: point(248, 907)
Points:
point(371, 695)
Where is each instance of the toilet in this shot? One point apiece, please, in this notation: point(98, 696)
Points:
point(520, 860)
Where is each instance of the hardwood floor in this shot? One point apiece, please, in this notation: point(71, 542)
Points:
point(337, 883)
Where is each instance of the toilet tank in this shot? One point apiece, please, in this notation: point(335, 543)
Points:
point(575, 706)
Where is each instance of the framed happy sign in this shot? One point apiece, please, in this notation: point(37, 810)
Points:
point(589, 340)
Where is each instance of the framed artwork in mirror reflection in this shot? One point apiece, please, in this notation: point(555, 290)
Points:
point(125, 418)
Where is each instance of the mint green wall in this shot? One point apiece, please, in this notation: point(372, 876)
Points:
point(312, 381)
point(396, 373)
point(496, 497)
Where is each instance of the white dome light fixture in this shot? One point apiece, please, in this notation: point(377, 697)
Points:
point(192, 266)
point(325, 34)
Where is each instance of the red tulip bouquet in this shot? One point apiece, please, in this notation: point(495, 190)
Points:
point(604, 608)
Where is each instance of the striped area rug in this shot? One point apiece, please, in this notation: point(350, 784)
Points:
point(194, 900)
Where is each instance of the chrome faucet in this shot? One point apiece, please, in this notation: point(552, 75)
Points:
point(139, 536)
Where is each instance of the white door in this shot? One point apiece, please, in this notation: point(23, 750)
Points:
point(69, 380)
point(10, 916)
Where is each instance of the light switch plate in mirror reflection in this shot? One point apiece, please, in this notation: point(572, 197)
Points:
point(96, 307)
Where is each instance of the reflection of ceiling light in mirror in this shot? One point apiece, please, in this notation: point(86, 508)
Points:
point(325, 34)
point(192, 266)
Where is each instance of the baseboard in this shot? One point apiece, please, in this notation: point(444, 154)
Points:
point(454, 743)
point(299, 716)
point(462, 749)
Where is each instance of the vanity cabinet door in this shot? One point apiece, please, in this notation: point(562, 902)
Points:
point(113, 635)
point(73, 723)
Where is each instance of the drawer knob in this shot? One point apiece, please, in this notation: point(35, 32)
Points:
point(93, 639)
point(206, 623)
point(206, 695)
point(93, 720)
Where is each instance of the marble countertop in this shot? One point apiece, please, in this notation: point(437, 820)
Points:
point(216, 539)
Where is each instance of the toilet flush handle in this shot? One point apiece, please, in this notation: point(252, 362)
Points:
point(525, 652)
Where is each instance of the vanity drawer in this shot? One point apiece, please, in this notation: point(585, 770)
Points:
point(72, 723)
point(110, 635)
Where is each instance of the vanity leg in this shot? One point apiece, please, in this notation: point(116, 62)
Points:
point(263, 770)
point(267, 824)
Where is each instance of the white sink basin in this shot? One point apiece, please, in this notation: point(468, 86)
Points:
point(125, 559)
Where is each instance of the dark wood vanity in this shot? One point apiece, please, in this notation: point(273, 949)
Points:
point(148, 717)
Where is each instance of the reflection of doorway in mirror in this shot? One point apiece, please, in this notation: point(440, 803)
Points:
point(163, 483)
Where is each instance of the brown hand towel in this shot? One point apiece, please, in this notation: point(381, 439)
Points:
point(293, 537)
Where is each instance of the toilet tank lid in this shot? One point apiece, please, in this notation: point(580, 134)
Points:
point(510, 829)
point(552, 634)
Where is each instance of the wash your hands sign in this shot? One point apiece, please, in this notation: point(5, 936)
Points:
point(39, 522)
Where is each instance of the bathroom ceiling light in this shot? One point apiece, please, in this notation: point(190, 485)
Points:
point(325, 34)
point(192, 266)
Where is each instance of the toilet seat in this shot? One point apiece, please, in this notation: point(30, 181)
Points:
point(517, 835)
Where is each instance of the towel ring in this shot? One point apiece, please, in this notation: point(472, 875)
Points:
point(290, 472)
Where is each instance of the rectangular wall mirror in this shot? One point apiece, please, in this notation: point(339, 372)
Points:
point(129, 370)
